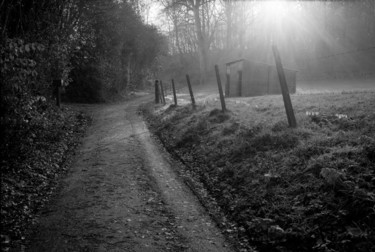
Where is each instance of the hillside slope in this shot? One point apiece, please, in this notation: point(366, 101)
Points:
point(304, 189)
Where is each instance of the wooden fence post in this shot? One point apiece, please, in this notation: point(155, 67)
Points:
point(227, 83)
point(57, 92)
point(160, 96)
point(162, 91)
point(190, 91)
point(223, 108)
point(174, 93)
point(284, 89)
point(239, 87)
point(157, 98)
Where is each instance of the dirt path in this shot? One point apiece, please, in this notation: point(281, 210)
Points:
point(122, 195)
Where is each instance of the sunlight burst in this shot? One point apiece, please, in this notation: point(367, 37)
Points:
point(275, 9)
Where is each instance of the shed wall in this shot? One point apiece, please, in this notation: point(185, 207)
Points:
point(234, 69)
point(255, 81)
point(258, 79)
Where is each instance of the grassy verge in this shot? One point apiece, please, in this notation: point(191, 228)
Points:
point(305, 189)
point(35, 154)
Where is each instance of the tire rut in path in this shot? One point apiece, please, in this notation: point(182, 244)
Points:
point(122, 195)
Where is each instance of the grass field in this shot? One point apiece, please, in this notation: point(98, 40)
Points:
point(344, 85)
point(305, 189)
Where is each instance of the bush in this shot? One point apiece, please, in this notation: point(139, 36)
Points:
point(85, 87)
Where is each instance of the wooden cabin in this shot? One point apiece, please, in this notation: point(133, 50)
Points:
point(250, 78)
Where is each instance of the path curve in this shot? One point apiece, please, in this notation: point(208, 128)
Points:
point(122, 195)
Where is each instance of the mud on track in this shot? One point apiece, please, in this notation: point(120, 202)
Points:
point(122, 195)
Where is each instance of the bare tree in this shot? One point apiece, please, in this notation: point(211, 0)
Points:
point(202, 14)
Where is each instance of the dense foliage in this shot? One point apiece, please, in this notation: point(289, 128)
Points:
point(305, 189)
point(106, 38)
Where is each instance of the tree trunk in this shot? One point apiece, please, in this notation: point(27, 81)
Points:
point(202, 45)
point(177, 37)
point(228, 13)
point(128, 72)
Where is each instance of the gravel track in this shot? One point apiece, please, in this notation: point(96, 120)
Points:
point(121, 194)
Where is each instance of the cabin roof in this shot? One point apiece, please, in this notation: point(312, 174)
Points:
point(256, 62)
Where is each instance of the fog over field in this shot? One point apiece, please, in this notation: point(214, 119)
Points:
point(318, 86)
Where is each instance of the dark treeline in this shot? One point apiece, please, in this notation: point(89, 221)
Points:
point(100, 49)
